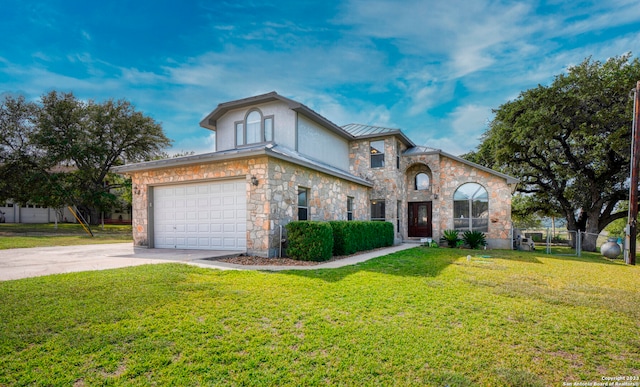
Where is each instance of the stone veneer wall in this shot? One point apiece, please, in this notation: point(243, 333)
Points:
point(446, 175)
point(453, 175)
point(389, 183)
point(270, 204)
point(327, 198)
point(430, 164)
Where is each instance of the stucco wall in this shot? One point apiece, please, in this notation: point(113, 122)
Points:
point(322, 144)
point(284, 125)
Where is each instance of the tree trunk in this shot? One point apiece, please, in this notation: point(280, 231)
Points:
point(590, 238)
point(589, 241)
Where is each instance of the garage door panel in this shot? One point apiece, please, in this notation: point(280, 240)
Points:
point(201, 216)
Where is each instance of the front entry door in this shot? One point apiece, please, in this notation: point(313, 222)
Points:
point(420, 219)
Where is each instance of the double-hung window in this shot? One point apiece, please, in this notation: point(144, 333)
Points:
point(254, 129)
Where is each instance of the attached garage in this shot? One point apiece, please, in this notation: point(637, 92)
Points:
point(205, 216)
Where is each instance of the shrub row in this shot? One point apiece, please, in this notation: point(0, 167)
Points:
point(352, 236)
point(319, 241)
point(309, 240)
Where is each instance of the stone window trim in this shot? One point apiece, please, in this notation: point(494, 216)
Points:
point(378, 210)
point(376, 151)
point(303, 203)
point(471, 208)
point(246, 132)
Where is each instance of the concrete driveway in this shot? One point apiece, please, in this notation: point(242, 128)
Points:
point(33, 262)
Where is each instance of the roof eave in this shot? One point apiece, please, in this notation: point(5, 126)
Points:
point(186, 161)
point(397, 133)
point(210, 121)
point(241, 154)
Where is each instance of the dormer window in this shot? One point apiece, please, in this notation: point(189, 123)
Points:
point(254, 129)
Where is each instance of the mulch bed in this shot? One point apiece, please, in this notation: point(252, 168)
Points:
point(249, 260)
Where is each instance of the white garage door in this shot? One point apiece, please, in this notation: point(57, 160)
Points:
point(207, 216)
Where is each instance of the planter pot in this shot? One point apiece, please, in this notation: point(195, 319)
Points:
point(610, 249)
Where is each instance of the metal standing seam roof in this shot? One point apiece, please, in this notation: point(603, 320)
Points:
point(367, 131)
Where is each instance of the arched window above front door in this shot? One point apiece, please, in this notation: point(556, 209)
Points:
point(471, 208)
point(421, 182)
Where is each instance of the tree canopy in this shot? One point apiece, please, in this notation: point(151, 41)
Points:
point(569, 143)
point(60, 151)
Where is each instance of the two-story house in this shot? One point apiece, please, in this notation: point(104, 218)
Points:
point(276, 160)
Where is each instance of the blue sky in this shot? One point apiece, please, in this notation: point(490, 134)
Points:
point(435, 69)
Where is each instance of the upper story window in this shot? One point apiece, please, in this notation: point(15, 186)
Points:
point(254, 129)
point(377, 153)
point(471, 208)
point(422, 182)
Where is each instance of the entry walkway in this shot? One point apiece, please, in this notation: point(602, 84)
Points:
point(39, 261)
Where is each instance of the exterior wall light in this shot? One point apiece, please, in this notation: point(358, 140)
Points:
point(254, 180)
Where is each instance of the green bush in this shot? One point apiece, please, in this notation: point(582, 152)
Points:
point(474, 239)
point(309, 240)
point(352, 236)
point(451, 237)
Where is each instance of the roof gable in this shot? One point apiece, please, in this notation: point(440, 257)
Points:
point(210, 121)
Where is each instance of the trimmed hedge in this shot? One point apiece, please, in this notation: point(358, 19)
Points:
point(352, 236)
point(309, 240)
point(319, 241)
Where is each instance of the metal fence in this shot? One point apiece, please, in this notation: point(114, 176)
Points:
point(561, 242)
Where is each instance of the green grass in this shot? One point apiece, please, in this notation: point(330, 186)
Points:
point(417, 317)
point(13, 235)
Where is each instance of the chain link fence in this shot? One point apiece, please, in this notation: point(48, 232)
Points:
point(560, 242)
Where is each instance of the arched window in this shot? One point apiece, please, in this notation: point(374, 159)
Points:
point(254, 128)
point(422, 182)
point(471, 208)
point(254, 123)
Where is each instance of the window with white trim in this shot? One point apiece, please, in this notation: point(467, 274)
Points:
point(471, 208)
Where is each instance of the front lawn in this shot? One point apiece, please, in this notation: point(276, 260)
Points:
point(17, 235)
point(417, 317)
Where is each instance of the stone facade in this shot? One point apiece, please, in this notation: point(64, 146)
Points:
point(397, 187)
point(270, 204)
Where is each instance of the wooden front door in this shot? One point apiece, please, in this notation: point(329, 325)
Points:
point(420, 219)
